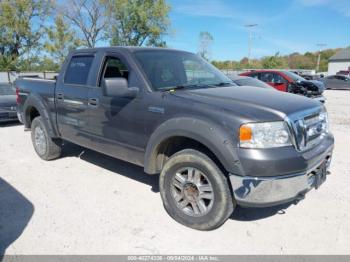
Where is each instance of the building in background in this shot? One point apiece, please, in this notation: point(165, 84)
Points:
point(339, 62)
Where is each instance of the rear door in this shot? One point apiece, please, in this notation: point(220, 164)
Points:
point(72, 99)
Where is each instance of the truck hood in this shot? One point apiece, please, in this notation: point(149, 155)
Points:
point(250, 102)
point(7, 101)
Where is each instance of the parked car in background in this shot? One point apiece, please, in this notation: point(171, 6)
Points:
point(290, 82)
point(8, 104)
point(344, 72)
point(249, 81)
point(337, 82)
point(309, 76)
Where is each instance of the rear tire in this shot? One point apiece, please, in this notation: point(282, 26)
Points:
point(46, 147)
point(194, 191)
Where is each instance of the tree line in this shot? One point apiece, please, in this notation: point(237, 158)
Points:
point(307, 60)
point(38, 34)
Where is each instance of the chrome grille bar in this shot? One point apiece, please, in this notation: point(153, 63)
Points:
point(308, 128)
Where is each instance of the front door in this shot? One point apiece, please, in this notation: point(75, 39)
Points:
point(275, 80)
point(279, 82)
point(116, 124)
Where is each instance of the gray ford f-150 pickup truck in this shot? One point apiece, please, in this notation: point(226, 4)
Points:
point(214, 144)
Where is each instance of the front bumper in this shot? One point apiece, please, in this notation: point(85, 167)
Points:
point(263, 191)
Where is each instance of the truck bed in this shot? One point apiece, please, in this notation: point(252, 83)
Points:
point(43, 89)
point(36, 84)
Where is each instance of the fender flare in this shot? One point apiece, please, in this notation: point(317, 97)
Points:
point(42, 107)
point(215, 138)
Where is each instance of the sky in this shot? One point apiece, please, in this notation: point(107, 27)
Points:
point(283, 26)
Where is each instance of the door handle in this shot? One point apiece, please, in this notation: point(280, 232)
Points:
point(93, 102)
point(60, 96)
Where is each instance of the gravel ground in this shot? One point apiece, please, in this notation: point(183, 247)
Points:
point(87, 203)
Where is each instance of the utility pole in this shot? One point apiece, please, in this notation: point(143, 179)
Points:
point(320, 45)
point(249, 27)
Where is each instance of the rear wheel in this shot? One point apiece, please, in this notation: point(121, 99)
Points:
point(44, 145)
point(194, 191)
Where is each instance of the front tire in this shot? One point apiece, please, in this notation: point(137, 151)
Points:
point(44, 145)
point(194, 191)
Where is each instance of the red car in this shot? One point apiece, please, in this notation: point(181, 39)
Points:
point(287, 81)
point(276, 79)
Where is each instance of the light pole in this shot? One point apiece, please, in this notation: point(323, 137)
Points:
point(249, 27)
point(320, 45)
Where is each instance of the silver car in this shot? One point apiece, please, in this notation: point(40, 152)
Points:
point(337, 82)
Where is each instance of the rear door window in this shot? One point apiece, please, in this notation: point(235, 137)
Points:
point(267, 77)
point(254, 75)
point(78, 70)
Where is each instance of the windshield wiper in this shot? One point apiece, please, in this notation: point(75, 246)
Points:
point(180, 87)
point(223, 84)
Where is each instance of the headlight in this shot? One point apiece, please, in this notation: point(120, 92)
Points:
point(323, 118)
point(264, 135)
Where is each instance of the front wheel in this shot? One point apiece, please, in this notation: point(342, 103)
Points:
point(44, 145)
point(194, 191)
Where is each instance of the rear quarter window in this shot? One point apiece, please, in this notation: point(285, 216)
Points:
point(78, 70)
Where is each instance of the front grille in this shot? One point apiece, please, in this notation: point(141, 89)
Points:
point(309, 129)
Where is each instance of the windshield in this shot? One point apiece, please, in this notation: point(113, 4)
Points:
point(294, 76)
point(166, 69)
point(252, 82)
point(6, 89)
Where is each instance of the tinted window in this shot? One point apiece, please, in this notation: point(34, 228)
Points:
point(267, 77)
point(78, 70)
point(254, 75)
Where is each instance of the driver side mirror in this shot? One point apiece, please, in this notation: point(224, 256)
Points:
point(118, 86)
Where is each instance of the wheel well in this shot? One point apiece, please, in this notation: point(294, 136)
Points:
point(172, 145)
point(31, 113)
